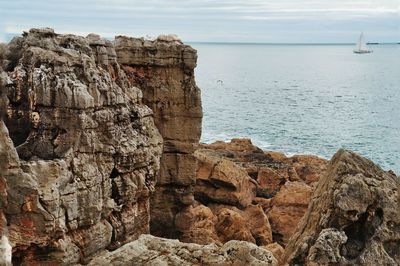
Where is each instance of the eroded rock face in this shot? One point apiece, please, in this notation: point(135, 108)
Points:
point(164, 70)
point(87, 150)
point(221, 180)
point(353, 217)
point(287, 208)
point(254, 195)
point(150, 250)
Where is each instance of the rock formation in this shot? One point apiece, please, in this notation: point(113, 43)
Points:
point(164, 70)
point(99, 147)
point(87, 150)
point(244, 193)
point(353, 217)
point(150, 250)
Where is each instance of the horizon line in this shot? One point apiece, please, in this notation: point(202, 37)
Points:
point(287, 43)
point(12, 35)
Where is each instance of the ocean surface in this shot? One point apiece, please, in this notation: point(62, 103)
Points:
point(303, 99)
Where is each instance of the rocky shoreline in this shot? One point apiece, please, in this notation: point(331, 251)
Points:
point(99, 147)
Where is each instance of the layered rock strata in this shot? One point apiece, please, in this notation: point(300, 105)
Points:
point(353, 217)
point(79, 150)
point(164, 70)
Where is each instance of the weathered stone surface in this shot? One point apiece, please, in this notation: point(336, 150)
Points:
point(250, 224)
point(270, 169)
point(277, 251)
point(288, 206)
point(8, 159)
point(164, 70)
point(220, 180)
point(280, 187)
point(150, 250)
point(89, 149)
point(197, 224)
point(353, 217)
point(218, 223)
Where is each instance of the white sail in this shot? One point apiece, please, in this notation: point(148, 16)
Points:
point(361, 47)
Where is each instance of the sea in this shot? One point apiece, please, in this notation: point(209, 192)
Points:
point(303, 98)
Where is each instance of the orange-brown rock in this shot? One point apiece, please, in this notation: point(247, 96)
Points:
point(283, 184)
point(258, 223)
point(197, 224)
point(231, 225)
point(269, 182)
point(250, 224)
point(278, 251)
point(263, 202)
point(222, 181)
point(308, 167)
point(220, 223)
point(270, 169)
point(288, 206)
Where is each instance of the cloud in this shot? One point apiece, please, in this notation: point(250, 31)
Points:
point(237, 20)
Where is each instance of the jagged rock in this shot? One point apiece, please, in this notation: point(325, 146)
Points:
point(237, 174)
point(150, 250)
point(87, 150)
point(270, 169)
point(353, 217)
point(164, 70)
point(288, 206)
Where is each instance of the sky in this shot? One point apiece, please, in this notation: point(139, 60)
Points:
point(278, 21)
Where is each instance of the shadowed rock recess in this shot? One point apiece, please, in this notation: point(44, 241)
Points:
point(99, 146)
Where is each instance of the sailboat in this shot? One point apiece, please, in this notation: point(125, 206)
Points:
point(361, 47)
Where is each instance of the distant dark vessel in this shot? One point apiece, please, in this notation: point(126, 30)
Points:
point(372, 43)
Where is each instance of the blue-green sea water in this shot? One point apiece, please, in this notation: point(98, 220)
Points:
point(309, 99)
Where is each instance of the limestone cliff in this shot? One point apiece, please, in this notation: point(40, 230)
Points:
point(164, 70)
point(79, 151)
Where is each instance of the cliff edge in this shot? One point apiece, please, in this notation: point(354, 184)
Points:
point(79, 150)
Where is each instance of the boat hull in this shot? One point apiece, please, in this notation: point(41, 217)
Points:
point(362, 51)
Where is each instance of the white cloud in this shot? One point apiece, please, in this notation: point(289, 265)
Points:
point(193, 19)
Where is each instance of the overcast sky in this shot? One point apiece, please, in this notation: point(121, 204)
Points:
point(293, 21)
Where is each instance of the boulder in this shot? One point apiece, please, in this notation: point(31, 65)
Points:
point(220, 180)
point(353, 217)
point(196, 224)
point(288, 206)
